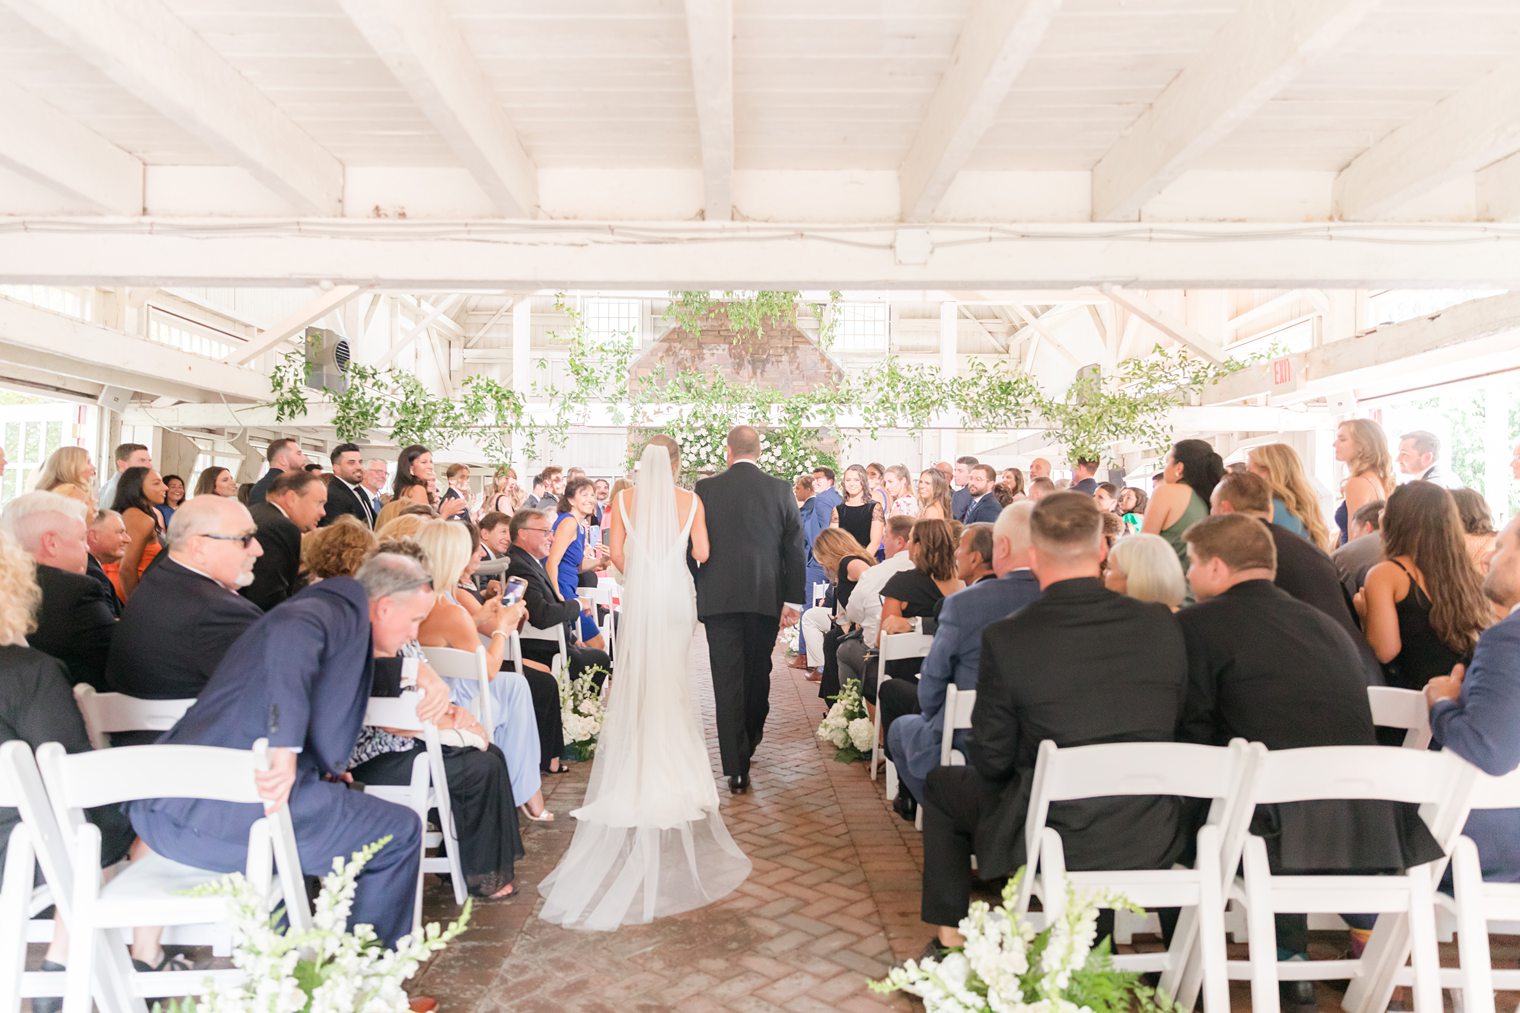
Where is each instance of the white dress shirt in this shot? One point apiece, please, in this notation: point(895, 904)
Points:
point(864, 608)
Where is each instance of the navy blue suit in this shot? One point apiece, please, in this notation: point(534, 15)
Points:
point(1483, 727)
point(914, 739)
point(984, 510)
point(960, 502)
point(300, 677)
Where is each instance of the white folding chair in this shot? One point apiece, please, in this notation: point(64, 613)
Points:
point(466, 666)
point(820, 591)
point(154, 890)
point(428, 789)
point(602, 596)
point(554, 635)
point(959, 703)
point(108, 713)
point(1438, 782)
point(1401, 708)
point(1144, 768)
point(893, 647)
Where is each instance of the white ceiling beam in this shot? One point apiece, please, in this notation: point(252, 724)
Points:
point(430, 316)
point(422, 45)
point(56, 151)
point(1473, 128)
point(297, 322)
point(1041, 330)
point(146, 49)
point(1263, 48)
point(995, 43)
point(480, 331)
point(444, 318)
point(1166, 323)
point(1498, 190)
point(710, 35)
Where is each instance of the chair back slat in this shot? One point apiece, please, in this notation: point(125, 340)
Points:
point(130, 773)
point(1491, 792)
point(1345, 773)
point(452, 663)
point(903, 646)
point(398, 712)
point(1136, 768)
point(1401, 708)
point(107, 713)
point(959, 704)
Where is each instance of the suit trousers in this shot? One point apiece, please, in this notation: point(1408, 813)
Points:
point(739, 647)
point(896, 697)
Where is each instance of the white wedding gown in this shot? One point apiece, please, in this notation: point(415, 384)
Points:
point(649, 841)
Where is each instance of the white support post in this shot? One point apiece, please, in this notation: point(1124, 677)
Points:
point(710, 35)
point(949, 364)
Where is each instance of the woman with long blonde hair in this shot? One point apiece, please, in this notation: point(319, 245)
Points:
point(1295, 504)
point(70, 472)
point(1362, 446)
point(933, 496)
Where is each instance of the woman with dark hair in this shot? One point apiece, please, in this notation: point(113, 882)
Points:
point(416, 480)
point(174, 498)
point(1423, 608)
point(1012, 479)
point(1131, 507)
point(569, 556)
point(915, 593)
point(1182, 499)
point(1477, 526)
point(860, 514)
point(933, 496)
point(139, 495)
point(216, 481)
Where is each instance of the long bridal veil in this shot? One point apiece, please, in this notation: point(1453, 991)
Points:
point(649, 841)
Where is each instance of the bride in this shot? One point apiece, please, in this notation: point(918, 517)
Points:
point(649, 841)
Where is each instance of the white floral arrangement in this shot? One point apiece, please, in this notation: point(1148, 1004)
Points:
point(846, 726)
point(325, 969)
point(581, 710)
point(1006, 966)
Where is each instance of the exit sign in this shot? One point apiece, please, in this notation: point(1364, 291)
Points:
point(1282, 371)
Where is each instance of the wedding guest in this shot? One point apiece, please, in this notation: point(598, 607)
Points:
point(1106, 495)
point(984, 506)
point(127, 455)
point(1145, 567)
point(554, 487)
point(284, 454)
point(1083, 476)
point(960, 500)
point(1131, 508)
point(844, 560)
point(187, 612)
point(571, 554)
point(107, 540)
point(69, 472)
point(934, 496)
point(376, 473)
point(414, 472)
point(1362, 446)
point(1295, 504)
point(504, 496)
point(295, 503)
point(914, 594)
point(1477, 526)
point(346, 494)
point(244, 489)
point(1039, 468)
point(74, 621)
point(862, 610)
point(876, 480)
point(547, 608)
point(603, 501)
point(1078, 665)
point(216, 481)
point(1364, 551)
point(802, 490)
point(396, 509)
point(457, 477)
point(1041, 487)
point(816, 514)
point(139, 494)
point(1192, 471)
point(898, 485)
point(174, 498)
point(496, 535)
point(1417, 456)
point(858, 513)
point(337, 550)
point(1012, 479)
point(1424, 607)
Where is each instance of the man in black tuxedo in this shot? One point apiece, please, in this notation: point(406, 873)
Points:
point(74, 621)
point(983, 507)
point(296, 503)
point(531, 536)
point(284, 455)
point(301, 678)
point(107, 540)
point(1082, 476)
point(186, 613)
point(751, 584)
point(346, 493)
point(1078, 665)
point(960, 487)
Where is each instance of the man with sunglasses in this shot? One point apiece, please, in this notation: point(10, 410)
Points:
point(186, 612)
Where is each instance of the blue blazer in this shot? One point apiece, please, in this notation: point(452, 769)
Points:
point(1483, 727)
point(960, 502)
point(816, 514)
point(984, 510)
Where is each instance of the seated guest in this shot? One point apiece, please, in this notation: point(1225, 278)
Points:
point(572, 559)
point(457, 487)
point(914, 594)
point(934, 500)
point(405, 523)
point(1295, 503)
point(1145, 567)
point(1106, 495)
point(913, 740)
point(346, 495)
point(1265, 667)
point(107, 540)
point(295, 504)
point(1079, 665)
point(1193, 469)
point(70, 472)
point(862, 612)
point(338, 549)
point(1364, 551)
point(127, 455)
point(310, 706)
point(547, 608)
point(983, 506)
point(139, 495)
point(283, 455)
point(216, 481)
point(1477, 526)
point(1475, 712)
point(1039, 488)
point(75, 621)
point(1083, 476)
point(844, 561)
point(187, 613)
point(174, 498)
point(496, 534)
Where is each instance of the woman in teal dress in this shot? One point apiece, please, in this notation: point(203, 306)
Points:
point(1182, 499)
point(570, 554)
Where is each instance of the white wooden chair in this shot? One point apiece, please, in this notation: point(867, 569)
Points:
point(554, 635)
point(604, 595)
point(893, 647)
point(108, 713)
point(428, 789)
point(959, 703)
point(1439, 783)
point(466, 666)
point(1145, 768)
point(1401, 708)
point(154, 890)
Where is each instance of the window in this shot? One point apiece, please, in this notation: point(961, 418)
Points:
point(31, 428)
point(67, 301)
point(1394, 305)
point(607, 319)
point(178, 332)
point(861, 326)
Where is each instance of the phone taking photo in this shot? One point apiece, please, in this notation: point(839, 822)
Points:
point(512, 593)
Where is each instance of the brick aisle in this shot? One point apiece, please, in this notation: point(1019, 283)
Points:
point(832, 900)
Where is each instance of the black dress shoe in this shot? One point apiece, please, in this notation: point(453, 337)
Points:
point(738, 783)
point(905, 806)
point(1297, 995)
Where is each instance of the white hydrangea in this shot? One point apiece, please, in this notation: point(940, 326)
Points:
point(862, 733)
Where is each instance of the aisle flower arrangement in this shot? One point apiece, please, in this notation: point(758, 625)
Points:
point(581, 710)
point(1007, 967)
point(325, 969)
point(846, 726)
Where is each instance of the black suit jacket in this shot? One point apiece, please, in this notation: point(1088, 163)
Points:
point(260, 490)
point(544, 607)
point(277, 573)
point(1268, 668)
point(757, 557)
point(1079, 665)
point(1308, 574)
point(94, 569)
point(343, 500)
point(74, 624)
point(174, 632)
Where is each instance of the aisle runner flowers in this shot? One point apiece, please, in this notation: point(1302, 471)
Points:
point(581, 710)
point(1008, 967)
point(846, 726)
point(323, 970)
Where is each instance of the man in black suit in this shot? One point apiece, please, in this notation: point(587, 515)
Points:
point(1082, 476)
point(296, 502)
point(495, 542)
point(346, 493)
point(283, 455)
point(531, 536)
point(751, 584)
point(1078, 665)
point(1266, 667)
point(983, 507)
point(301, 679)
point(960, 487)
point(186, 612)
point(107, 540)
point(75, 621)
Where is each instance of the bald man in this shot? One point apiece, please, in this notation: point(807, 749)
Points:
point(1039, 468)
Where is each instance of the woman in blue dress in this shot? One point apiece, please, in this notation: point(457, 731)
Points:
point(571, 555)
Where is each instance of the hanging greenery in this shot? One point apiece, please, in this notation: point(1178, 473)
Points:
point(750, 314)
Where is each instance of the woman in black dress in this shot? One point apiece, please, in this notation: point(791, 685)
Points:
point(913, 594)
point(860, 514)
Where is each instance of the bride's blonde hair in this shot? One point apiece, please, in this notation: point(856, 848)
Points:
point(671, 446)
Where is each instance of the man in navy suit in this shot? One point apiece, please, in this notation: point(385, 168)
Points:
point(301, 678)
point(982, 507)
point(961, 494)
point(914, 739)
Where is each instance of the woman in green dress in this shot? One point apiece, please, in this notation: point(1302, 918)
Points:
point(1182, 499)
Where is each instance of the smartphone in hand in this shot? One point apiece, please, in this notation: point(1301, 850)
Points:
point(513, 592)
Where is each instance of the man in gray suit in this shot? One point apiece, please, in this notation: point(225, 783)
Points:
point(751, 584)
